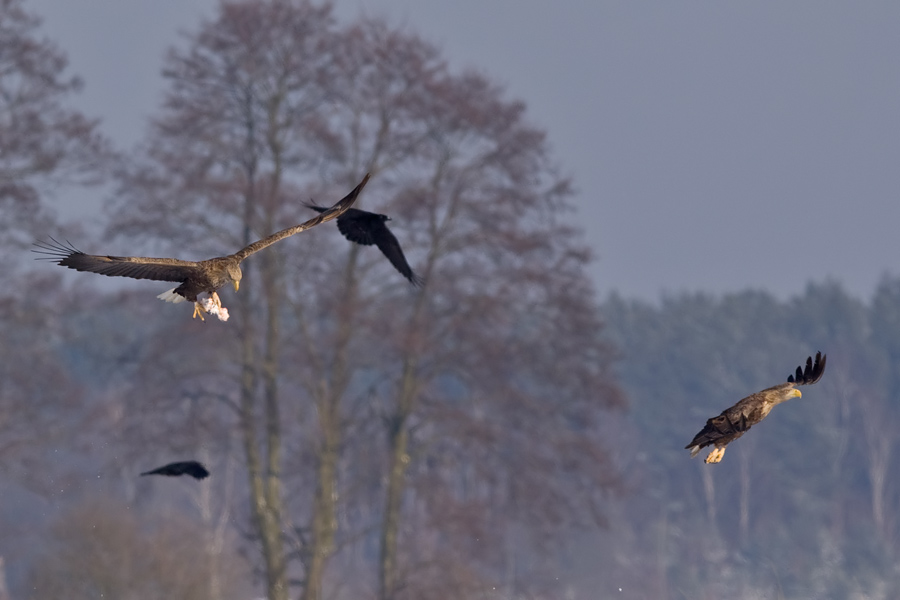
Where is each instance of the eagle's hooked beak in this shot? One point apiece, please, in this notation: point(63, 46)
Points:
point(237, 284)
point(798, 394)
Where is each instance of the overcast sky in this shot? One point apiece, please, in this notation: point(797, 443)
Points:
point(715, 146)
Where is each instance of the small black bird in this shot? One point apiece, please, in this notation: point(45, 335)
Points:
point(190, 467)
point(366, 228)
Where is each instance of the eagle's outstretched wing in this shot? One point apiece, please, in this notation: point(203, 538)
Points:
point(813, 372)
point(733, 422)
point(189, 467)
point(331, 213)
point(136, 267)
point(195, 277)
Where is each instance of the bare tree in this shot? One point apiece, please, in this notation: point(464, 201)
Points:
point(499, 348)
point(101, 549)
point(44, 143)
point(232, 128)
point(504, 318)
point(4, 591)
point(880, 440)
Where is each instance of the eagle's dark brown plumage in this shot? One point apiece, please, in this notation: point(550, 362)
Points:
point(188, 467)
point(367, 228)
point(735, 421)
point(205, 276)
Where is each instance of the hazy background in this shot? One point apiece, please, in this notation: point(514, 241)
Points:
point(714, 146)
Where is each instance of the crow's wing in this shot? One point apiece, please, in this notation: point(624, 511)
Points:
point(390, 247)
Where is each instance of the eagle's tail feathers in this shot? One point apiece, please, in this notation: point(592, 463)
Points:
point(171, 296)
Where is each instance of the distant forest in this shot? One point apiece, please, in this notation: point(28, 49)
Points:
point(802, 506)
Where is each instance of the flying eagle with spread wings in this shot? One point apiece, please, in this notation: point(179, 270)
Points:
point(205, 276)
point(368, 228)
point(735, 421)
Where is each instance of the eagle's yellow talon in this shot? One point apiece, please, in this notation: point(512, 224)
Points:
point(715, 456)
point(198, 311)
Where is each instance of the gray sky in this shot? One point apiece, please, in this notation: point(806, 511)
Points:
point(715, 146)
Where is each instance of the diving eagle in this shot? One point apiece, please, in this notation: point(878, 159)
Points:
point(189, 467)
point(205, 276)
point(367, 228)
point(735, 421)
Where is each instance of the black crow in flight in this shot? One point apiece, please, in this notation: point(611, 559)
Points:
point(366, 228)
point(190, 467)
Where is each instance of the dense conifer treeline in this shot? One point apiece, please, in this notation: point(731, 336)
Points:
point(805, 504)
